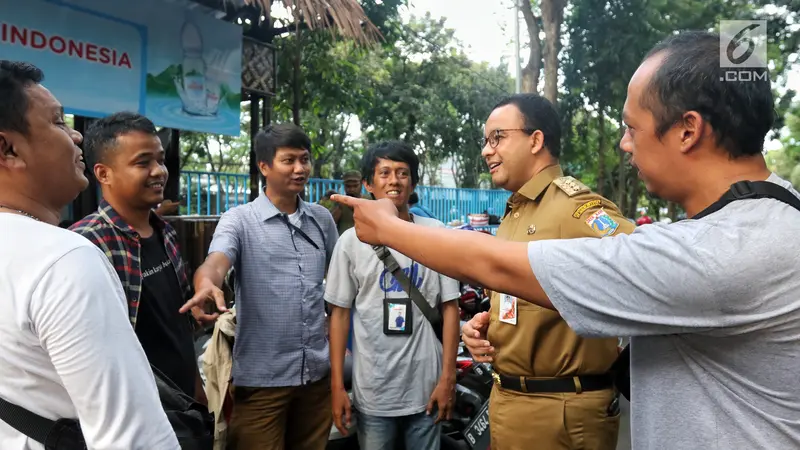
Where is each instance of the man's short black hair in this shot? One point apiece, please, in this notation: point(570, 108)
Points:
point(273, 137)
point(15, 77)
point(394, 151)
point(413, 199)
point(690, 79)
point(539, 114)
point(101, 136)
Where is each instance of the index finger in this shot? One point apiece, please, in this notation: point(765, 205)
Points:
point(197, 300)
point(219, 299)
point(346, 199)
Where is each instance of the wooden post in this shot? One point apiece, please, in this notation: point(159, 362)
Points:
point(87, 201)
point(172, 190)
point(255, 102)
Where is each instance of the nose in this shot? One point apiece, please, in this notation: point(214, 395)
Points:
point(487, 151)
point(301, 167)
point(77, 138)
point(159, 170)
point(626, 143)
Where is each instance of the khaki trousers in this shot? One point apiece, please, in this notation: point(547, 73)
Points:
point(561, 421)
point(291, 418)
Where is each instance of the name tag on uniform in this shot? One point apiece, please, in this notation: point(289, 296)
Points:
point(508, 309)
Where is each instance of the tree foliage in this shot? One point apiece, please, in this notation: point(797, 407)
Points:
point(418, 85)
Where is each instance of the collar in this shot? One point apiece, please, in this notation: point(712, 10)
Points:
point(266, 210)
point(534, 188)
point(110, 215)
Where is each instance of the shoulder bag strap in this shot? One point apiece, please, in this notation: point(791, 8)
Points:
point(61, 434)
point(739, 191)
point(428, 311)
point(744, 190)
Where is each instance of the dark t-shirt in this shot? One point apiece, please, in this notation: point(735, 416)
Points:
point(165, 334)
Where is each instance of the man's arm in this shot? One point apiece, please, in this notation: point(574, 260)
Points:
point(475, 258)
point(340, 292)
point(450, 323)
point(81, 319)
point(222, 255)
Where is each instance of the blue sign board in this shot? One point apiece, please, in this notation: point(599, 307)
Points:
point(180, 68)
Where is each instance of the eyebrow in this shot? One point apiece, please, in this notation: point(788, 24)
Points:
point(148, 153)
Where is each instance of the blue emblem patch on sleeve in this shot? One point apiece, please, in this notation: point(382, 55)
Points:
point(602, 223)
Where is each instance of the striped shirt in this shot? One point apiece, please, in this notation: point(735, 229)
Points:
point(280, 311)
point(120, 243)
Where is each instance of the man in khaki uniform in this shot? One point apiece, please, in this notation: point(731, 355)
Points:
point(342, 214)
point(551, 389)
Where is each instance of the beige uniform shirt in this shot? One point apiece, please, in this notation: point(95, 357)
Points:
point(541, 344)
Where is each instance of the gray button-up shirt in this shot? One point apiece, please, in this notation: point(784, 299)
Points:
point(280, 312)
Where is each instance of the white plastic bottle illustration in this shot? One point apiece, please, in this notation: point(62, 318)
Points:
point(194, 70)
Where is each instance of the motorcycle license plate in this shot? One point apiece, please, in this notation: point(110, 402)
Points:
point(477, 432)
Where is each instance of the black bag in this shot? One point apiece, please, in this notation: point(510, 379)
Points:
point(191, 421)
point(433, 316)
point(621, 369)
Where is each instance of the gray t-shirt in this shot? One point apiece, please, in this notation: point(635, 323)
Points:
point(392, 375)
point(713, 310)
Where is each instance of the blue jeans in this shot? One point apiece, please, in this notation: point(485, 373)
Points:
point(381, 433)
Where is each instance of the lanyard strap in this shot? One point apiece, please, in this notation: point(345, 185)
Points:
point(293, 227)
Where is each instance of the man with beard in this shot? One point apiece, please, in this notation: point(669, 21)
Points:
point(714, 322)
point(279, 247)
point(66, 348)
point(128, 162)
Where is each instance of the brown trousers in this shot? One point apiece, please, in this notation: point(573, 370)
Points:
point(567, 421)
point(291, 418)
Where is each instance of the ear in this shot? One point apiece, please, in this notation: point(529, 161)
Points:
point(263, 168)
point(537, 141)
point(692, 127)
point(9, 158)
point(367, 186)
point(102, 173)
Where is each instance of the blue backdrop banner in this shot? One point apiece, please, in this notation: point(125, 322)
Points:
point(180, 68)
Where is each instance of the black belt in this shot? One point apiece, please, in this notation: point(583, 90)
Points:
point(568, 384)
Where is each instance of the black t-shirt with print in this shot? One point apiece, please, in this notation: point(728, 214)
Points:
point(165, 334)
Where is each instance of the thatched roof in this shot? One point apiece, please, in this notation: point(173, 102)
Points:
point(344, 16)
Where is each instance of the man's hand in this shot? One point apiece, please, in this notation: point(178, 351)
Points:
point(208, 293)
point(369, 216)
point(473, 333)
point(341, 409)
point(443, 397)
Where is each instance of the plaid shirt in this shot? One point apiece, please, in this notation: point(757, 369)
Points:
point(106, 229)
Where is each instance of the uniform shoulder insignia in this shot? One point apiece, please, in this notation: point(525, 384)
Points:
point(571, 186)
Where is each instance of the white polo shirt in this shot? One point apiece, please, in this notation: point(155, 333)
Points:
point(67, 349)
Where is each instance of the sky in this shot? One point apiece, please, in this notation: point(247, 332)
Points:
point(485, 27)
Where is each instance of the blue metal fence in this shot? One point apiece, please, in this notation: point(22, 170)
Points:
point(211, 193)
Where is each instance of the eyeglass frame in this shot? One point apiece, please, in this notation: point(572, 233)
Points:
point(496, 134)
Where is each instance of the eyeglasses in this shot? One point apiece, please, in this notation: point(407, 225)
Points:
point(494, 137)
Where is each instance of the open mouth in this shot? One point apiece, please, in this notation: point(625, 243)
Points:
point(494, 166)
point(157, 185)
point(393, 193)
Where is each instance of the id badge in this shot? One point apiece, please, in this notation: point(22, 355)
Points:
point(397, 316)
point(508, 309)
